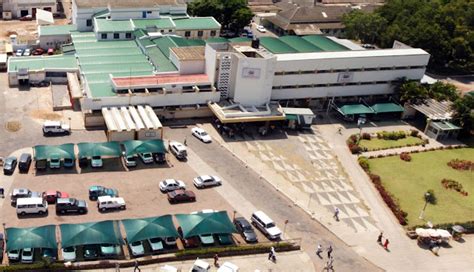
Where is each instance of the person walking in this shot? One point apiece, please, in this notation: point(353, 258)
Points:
point(385, 245)
point(272, 254)
point(329, 264)
point(216, 260)
point(319, 250)
point(136, 268)
point(329, 251)
point(336, 214)
point(379, 239)
point(185, 141)
point(339, 130)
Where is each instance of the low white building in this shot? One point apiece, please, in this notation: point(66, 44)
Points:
point(20, 8)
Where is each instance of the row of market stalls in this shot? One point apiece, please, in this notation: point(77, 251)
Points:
point(109, 232)
point(104, 149)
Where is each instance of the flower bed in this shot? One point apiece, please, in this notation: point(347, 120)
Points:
point(384, 140)
point(454, 185)
point(461, 164)
point(405, 156)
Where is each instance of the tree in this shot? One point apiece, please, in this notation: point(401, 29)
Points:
point(232, 14)
point(443, 91)
point(206, 8)
point(241, 18)
point(364, 26)
point(464, 113)
point(412, 92)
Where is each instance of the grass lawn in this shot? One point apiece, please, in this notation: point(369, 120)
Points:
point(408, 181)
point(376, 143)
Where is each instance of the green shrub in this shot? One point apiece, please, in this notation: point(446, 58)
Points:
point(414, 133)
point(364, 163)
point(210, 251)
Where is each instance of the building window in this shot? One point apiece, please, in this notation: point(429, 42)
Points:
point(89, 22)
point(187, 34)
point(116, 36)
point(213, 33)
point(162, 31)
point(103, 36)
point(200, 33)
point(170, 30)
point(128, 35)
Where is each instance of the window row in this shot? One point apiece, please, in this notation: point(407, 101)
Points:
point(348, 70)
point(330, 85)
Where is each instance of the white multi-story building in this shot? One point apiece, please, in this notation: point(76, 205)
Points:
point(21, 8)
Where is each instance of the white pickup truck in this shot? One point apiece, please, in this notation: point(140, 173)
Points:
point(105, 203)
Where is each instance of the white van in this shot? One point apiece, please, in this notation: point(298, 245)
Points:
point(31, 205)
point(55, 127)
point(179, 150)
point(266, 225)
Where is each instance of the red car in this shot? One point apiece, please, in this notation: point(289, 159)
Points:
point(177, 196)
point(50, 51)
point(38, 51)
point(51, 195)
point(190, 241)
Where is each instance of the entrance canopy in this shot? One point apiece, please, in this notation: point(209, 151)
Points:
point(44, 152)
point(134, 147)
point(147, 228)
point(205, 223)
point(354, 109)
point(106, 149)
point(104, 232)
point(387, 107)
point(37, 237)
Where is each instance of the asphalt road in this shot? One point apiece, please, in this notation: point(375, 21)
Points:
point(265, 197)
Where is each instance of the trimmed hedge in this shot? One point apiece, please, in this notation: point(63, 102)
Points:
point(236, 250)
point(39, 266)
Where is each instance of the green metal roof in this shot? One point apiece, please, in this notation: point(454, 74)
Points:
point(205, 223)
point(445, 125)
point(105, 25)
point(325, 43)
point(144, 42)
point(217, 40)
point(164, 44)
point(107, 59)
point(147, 228)
point(104, 232)
point(105, 149)
point(276, 46)
point(36, 237)
point(387, 107)
point(240, 39)
point(159, 60)
point(300, 44)
point(139, 33)
point(106, 44)
point(40, 63)
point(44, 152)
point(162, 23)
point(53, 30)
point(355, 109)
point(134, 147)
point(196, 23)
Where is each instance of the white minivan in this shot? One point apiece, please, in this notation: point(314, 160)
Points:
point(31, 205)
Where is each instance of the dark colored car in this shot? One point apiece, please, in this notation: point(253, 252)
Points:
point(91, 252)
point(68, 163)
point(1, 247)
point(41, 164)
point(9, 165)
point(159, 157)
point(225, 239)
point(83, 162)
point(97, 190)
point(245, 229)
point(24, 163)
point(49, 253)
point(178, 196)
point(70, 205)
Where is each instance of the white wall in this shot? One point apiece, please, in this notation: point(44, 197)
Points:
point(54, 41)
point(134, 13)
point(19, 5)
point(210, 55)
point(194, 34)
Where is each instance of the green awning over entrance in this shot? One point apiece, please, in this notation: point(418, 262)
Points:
point(291, 117)
point(106, 149)
point(355, 109)
point(387, 107)
point(205, 223)
point(44, 152)
point(134, 147)
point(37, 237)
point(147, 228)
point(104, 232)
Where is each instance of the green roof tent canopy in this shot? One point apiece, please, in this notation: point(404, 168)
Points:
point(354, 109)
point(147, 228)
point(105, 149)
point(205, 223)
point(44, 152)
point(134, 147)
point(37, 237)
point(104, 232)
point(387, 107)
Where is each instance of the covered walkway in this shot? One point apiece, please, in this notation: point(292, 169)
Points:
point(45, 152)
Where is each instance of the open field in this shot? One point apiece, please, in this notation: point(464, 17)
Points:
point(408, 181)
point(374, 143)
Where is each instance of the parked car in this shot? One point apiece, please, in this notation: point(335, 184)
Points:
point(266, 225)
point(97, 190)
point(91, 252)
point(26, 18)
point(96, 162)
point(49, 253)
point(27, 255)
point(27, 52)
point(70, 205)
point(51, 128)
point(225, 238)
point(206, 181)
point(9, 165)
point(52, 195)
point(156, 244)
point(188, 242)
point(228, 267)
point(2, 240)
point(178, 196)
point(169, 185)
point(201, 134)
point(170, 241)
point(19, 52)
point(54, 161)
point(178, 150)
point(69, 254)
point(14, 255)
point(146, 157)
point(105, 203)
point(50, 51)
point(19, 193)
point(137, 248)
point(40, 165)
point(24, 162)
point(159, 157)
point(200, 266)
point(206, 239)
point(261, 28)
point(245, 229)
point(68, 162)
point(38, 51)
point(368, 46)
point(109, 250)
point(130, 161)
